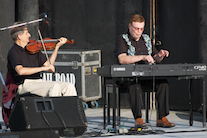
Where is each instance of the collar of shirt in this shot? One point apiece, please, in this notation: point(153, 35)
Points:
point(131, 38)
point(18, 46)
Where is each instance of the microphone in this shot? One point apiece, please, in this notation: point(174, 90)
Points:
point(45, 18)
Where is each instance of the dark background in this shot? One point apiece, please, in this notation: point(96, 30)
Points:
point(95, 24)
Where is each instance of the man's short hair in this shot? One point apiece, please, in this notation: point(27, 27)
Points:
point(15, 31)
point(137, 18)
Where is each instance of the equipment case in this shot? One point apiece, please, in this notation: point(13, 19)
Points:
point(79, 67)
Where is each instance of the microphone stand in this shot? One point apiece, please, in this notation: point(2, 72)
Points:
point(30, 22)
point(3, 82)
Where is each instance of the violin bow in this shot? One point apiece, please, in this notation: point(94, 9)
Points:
point(43, 46)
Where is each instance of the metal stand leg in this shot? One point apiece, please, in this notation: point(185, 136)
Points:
point(118, 106)
point(204, 102)
point(190, 103)
point(147, 106)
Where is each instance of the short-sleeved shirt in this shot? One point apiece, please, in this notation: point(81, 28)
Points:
point(140, 47)
point(19, 56)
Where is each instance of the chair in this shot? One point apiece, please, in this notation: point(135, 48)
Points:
point(109, 90)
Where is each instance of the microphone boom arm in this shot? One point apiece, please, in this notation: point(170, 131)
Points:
point(30, 22)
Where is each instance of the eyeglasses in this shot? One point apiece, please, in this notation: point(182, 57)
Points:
point(137, 29)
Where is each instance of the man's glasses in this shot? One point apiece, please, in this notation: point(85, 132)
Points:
point(137, 29)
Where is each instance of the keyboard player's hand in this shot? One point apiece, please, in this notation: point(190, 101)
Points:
point(163, 53)
point(148, 58)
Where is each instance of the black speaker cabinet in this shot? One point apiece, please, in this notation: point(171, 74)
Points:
point(31, 134)
point(64, 114)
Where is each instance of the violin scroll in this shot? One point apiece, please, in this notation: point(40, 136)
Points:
point(70, 42)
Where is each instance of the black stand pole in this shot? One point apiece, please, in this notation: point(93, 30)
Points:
point(3, 82)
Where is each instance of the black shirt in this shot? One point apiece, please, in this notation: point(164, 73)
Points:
point(19, 56)
point(140, 47)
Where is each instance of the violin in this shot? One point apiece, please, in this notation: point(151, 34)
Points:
point(35, 46)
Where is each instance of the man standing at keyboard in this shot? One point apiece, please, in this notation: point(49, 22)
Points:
point(134, 47)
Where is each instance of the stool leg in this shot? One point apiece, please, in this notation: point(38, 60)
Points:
point(108, 108)
point(105, 90)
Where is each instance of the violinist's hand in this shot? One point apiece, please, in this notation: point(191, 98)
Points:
point(50, 68)
point(61, 42)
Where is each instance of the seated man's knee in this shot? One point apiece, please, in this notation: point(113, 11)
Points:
point(55, 90)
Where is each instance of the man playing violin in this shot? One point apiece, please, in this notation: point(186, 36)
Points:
point(25, 68)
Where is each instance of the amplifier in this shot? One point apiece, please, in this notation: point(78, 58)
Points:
point(64, 114)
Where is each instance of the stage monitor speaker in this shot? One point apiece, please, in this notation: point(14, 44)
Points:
point(31, 134)
point(64, 114)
